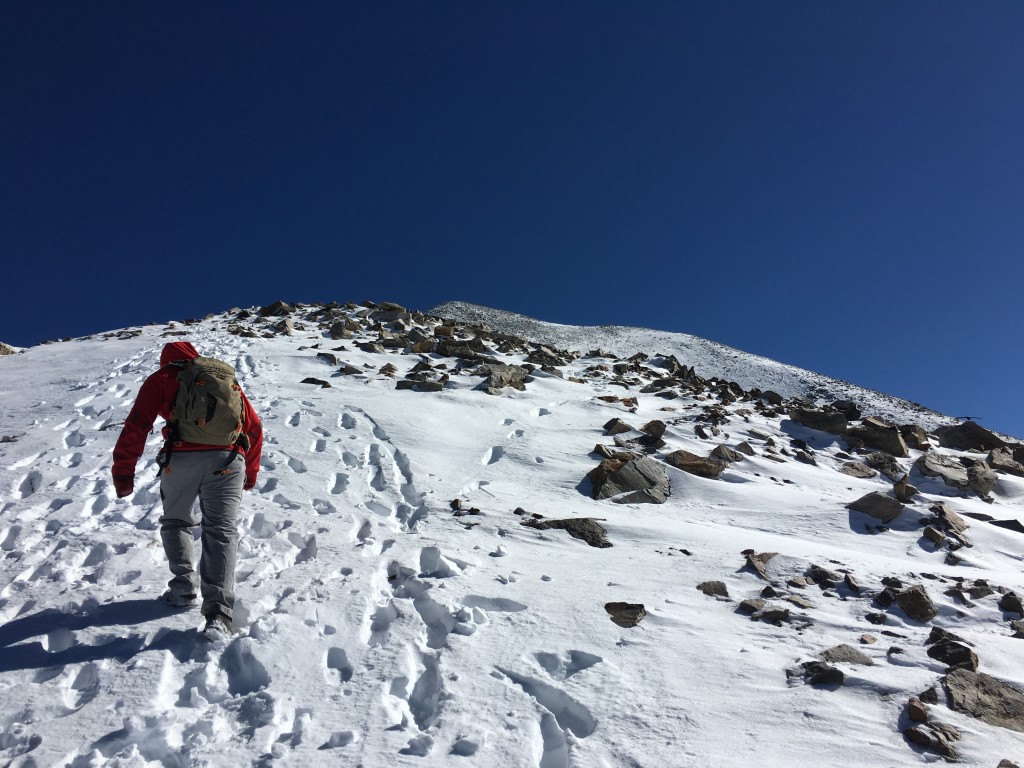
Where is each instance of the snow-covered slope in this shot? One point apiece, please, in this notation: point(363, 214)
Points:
point(377, 627)
point(711, 359)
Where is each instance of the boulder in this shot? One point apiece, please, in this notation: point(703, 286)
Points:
point(752, 605)
point(914, 436)
point(917, 605)
point(1011, 603)
point(339, 330)
point(277, 309)
point(886, 464)
point(986, 698)
point(617, 427)
point(878, 506)
point(903, 490)
point(759, 562)
point(771, 397)
point(713, 589)
point(968, 436)
point(745, 448)
point(952, 472)
point(880, 436)
point(825, 421)
point(500, 375)
point(6, 349)
point(848, 408)
point(696, 465)
point(818, 673)
point(626, 615)
point(847, 654)
point(655, 428)
point(725, 453)
point(981, 478)
point(935, 737)
point(857, 469)
point(1002, 459)
point(954, 655)
point(632, 480)
point(318, 382)
point(585, 528)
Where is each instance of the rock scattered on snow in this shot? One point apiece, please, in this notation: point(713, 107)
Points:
point(634, 480)
point(986, 698)
point(878, 506)
point(626, 614)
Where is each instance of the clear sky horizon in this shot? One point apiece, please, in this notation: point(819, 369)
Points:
point(835, 186)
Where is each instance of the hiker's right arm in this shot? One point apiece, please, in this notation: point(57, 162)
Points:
point(137, 426)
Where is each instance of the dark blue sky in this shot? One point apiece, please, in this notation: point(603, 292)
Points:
point(835, 185)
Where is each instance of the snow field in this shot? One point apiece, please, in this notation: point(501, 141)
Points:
point(376, 628)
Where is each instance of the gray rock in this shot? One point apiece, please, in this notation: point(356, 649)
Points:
point(759, 562)
point(655, 428)
point(954, 655)
point(886, 464)
point(6, 349)
point(696, 465)
point(981, 478)
point(917, 605)
point(819, 673)
point(1011, 603)
point(878, 506)
point(952, 472)
point(847, 654)
point(500, 376)
point(626, 614)
point(857, 469)
point(986, 698)
point(328, 357)
point(914, 436)
point(881, 437)
point(713, 589)
point(968, 437)
point(903, 490)
point(935, 737)
point(285, 327)
point(725, 453)
point(636, 480)
point(1002, 459)
point(825, 421)
point(771, 397)
point(745, 448)
point(339, 330)
point(617, 427)
point(753, 605)
point(848, 408)
point(277, 309)
point(318, 382)
point(584, 528)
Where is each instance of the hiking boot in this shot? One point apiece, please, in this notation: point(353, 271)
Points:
point(176, 600)
point(218, 627)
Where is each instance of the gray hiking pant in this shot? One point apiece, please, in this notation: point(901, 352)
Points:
point(202, 474)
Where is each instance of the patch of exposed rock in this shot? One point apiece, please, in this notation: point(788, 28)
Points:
point(628, 479)
point(584, 528)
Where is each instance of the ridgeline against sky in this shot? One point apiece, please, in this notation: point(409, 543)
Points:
point(835, 187)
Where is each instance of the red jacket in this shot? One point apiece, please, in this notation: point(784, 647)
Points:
point(156, 398)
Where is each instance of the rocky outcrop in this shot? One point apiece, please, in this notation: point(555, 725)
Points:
point(628, 479)
point(847, 654)
point(878, 506)
point(585, 528)
point(833, 422)
point(917, 605)
point(857, 469)
point(713, 589)
point(696, 465)
point(986, 698)
point(952, 472)
point(6, 349)
point(879, 435)
point(500, 375)
point(626, 615)
point(1005, 460)
point(968, 436)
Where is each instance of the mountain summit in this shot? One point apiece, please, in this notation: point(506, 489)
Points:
point(479, 539)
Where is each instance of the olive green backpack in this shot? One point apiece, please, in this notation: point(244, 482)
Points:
point(208, 409)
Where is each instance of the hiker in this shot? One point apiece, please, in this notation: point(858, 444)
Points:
point(213, 456)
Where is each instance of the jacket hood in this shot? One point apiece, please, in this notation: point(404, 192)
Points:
point(177, 350)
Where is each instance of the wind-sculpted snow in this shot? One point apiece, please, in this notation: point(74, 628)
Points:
point(380, 624)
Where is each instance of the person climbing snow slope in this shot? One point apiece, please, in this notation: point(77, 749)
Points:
point(213, 441)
